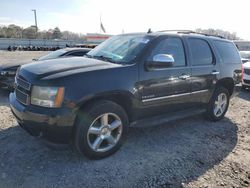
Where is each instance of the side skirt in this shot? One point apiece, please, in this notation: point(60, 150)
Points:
point(165, 118)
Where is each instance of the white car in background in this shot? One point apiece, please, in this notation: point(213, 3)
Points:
point(245, 56)
point(246, 75)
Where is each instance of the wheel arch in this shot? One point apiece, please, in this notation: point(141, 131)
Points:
point(124, 99)
point(228, 83)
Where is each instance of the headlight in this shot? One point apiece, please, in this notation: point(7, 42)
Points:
point(47, 96)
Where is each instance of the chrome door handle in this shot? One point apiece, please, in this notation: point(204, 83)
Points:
point(215, 72)
point(184, 77)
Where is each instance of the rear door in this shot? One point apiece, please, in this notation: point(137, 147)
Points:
point(204, 69)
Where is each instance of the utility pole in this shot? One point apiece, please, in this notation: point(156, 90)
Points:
point(34, 10)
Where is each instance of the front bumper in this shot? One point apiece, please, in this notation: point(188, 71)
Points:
point(55, 125)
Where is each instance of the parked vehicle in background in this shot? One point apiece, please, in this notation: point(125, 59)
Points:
point(246, 75)
point(245, 56)
point(66, 52)
point(86, 45)
point(8, 71)
point(91, 101)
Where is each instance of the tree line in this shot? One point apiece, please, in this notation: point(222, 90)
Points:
point(219, 32)
point(15, 31)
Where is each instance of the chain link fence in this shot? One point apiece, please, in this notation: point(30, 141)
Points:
point(50, 43)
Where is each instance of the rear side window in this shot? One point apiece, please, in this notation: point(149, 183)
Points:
point(228, 52)
point(200, 51)
point(170, 46)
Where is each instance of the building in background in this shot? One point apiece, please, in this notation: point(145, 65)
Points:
point(96, 38)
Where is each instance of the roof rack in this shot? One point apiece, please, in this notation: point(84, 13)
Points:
point(192, 32)
point(178, 31)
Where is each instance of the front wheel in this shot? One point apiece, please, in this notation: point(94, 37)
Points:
point(100, 129)
point(218, 104)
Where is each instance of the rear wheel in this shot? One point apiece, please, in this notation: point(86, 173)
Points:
point(100, 129)
point(218, 104)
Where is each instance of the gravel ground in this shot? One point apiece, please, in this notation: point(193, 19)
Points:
point(21, 56)
point(186, 153)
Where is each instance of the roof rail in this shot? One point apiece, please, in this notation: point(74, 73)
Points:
point(192, 32)
point(178, 31)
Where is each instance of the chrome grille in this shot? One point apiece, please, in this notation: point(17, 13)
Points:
point(22, 83)
point(22, 97)
point(22, 90)
point(247, 71)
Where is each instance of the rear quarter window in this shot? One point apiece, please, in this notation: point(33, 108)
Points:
point(228, 52)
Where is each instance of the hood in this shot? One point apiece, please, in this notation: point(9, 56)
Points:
point(63, 67)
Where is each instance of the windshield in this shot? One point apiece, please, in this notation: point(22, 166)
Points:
point(245, 54)
point(120, 49)
point(53, 55)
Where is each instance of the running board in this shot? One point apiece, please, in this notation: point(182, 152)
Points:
point(173, 116)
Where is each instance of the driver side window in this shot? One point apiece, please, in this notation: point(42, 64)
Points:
point(170, 46)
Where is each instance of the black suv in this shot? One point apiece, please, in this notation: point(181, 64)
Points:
point(91, 101)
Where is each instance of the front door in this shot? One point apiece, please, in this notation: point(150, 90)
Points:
point(165, 89)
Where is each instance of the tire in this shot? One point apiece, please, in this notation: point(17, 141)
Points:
point(215, 110)
point(100, 129)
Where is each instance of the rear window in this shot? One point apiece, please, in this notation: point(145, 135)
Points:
point(228, 52)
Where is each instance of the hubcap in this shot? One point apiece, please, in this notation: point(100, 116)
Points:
point(220, 104)
point(104, 132)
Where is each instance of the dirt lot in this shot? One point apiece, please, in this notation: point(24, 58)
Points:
point(21, 56)
point(186, 153)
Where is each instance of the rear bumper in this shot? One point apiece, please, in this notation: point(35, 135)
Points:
point(55, 125)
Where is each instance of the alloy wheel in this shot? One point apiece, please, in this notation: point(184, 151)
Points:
point(220, 104)
point(104, 132)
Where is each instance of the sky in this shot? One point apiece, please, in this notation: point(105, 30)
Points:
point(83, 16)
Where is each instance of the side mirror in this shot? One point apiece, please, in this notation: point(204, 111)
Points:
point(34, 59)
point(161, 61)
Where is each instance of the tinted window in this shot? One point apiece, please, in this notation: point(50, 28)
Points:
point(228, 52)
point(79, 53)
point(170, 46)
point(53, 55)
point(200, 51)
